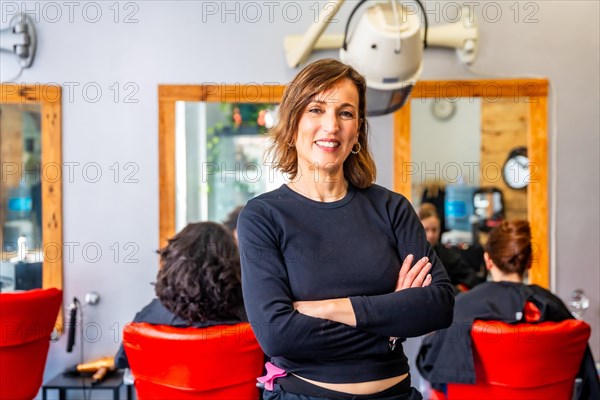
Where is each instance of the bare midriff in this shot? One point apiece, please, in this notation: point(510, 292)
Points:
point(369, 387)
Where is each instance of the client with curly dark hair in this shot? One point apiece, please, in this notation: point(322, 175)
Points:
point(198, 283)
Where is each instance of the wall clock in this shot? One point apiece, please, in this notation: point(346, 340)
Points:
point(443, 109)
point(515, 170)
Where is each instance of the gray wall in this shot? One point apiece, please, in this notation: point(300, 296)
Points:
point(176, 42)
point(444, 150)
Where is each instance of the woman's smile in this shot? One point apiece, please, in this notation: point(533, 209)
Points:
point(328, 144)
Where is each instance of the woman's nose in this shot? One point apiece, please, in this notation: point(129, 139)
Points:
point(330, 122)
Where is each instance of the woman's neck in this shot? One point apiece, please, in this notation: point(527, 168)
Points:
point(499, 276)
point(328, 189)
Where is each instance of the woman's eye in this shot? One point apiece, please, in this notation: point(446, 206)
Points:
point(314, 110)
point(347, 114)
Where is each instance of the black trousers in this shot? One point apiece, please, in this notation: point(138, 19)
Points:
point(293, 388)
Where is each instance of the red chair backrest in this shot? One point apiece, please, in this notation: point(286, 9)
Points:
point(218, 362)
point(26, 322)
point(524, 361)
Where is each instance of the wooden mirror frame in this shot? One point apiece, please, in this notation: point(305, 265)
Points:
point(48, 97)
point(536, 93)
point(168, 95)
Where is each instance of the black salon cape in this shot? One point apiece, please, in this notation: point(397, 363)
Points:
point(446, 356)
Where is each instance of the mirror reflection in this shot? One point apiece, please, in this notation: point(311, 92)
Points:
point(31, 187)
point(446, 143)
point(459, 151)
point(219, 158)
point(21, 197)
point(480, 169)
point(235, 119)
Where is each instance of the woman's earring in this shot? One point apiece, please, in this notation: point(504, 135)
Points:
point(356, 151)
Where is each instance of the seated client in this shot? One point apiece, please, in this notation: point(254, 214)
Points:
point(461, 274)
point(507, 258)
point(198, 283)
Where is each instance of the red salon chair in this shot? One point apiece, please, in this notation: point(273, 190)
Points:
point(26, 322)
point(524, 361)
point(218, 362)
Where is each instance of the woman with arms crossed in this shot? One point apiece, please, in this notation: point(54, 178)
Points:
point(321, 256)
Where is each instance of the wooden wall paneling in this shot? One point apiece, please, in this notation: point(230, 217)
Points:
point(504, 126)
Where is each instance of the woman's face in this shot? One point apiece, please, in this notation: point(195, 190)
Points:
point(432, 229)
point(328, 129)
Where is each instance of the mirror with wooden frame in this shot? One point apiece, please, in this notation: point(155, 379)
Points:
point(457, 131)
point(31, 187)
point(210, 146)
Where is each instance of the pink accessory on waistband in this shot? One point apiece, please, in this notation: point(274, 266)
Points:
point(273, 372)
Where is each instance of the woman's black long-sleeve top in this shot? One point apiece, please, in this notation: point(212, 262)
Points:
point(293, 248)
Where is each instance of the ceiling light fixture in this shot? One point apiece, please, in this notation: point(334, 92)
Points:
point(386, 46)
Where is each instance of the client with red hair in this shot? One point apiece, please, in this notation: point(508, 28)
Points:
point(508, 255)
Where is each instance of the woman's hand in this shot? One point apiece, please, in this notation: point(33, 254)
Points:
point(417, 276)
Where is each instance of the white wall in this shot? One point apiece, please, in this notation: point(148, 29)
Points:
point(179, 42)
point(447, 150)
